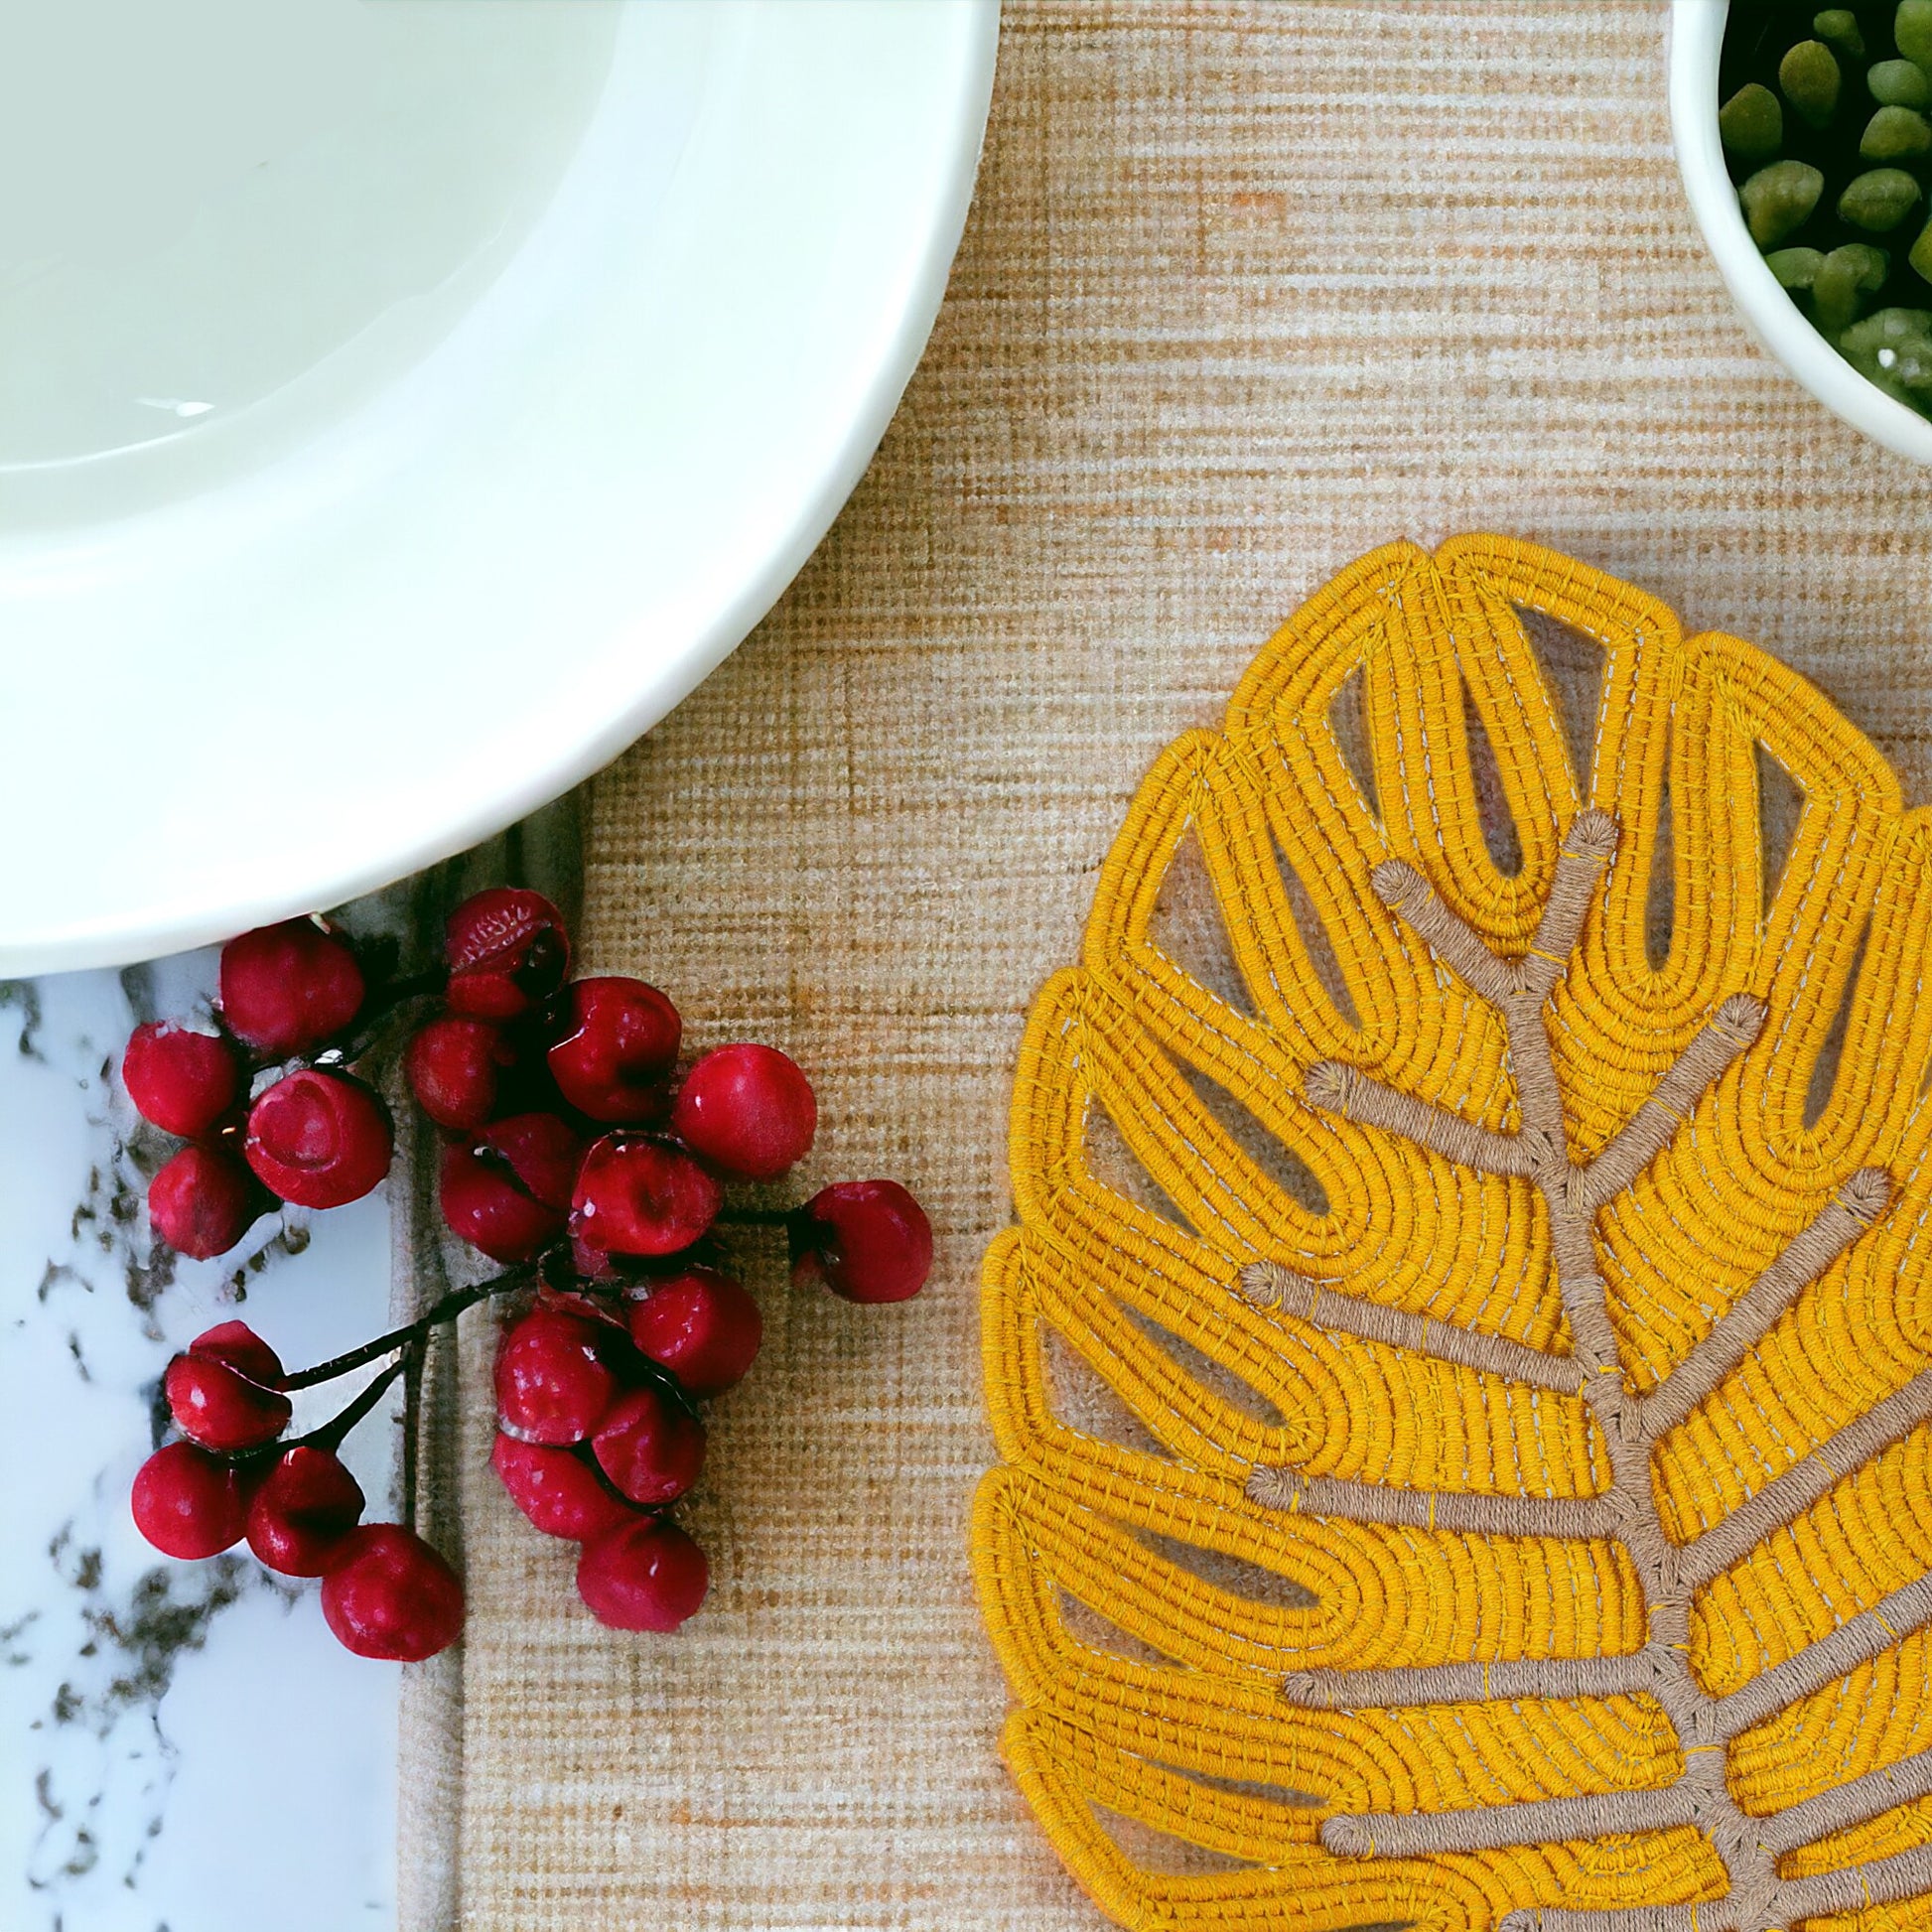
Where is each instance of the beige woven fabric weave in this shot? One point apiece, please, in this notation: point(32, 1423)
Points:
point(1247, 290)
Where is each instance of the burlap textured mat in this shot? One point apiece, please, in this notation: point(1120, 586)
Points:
point(1246, 291)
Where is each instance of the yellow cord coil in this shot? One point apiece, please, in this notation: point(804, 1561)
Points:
point(1500, 1272)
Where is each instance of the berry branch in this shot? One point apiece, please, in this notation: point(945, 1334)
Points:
point(414, 1354)
point(334, 1434)
point(575, 1157)
point(448, 1308)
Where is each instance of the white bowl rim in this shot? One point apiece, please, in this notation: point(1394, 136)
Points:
point(919, 272)
point(1695, 39)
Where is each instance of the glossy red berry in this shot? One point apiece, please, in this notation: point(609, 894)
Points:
point(558, 1491)
point(649, 1447)
point(507, 951)
point(302, 1510)
point(225, 1391)
point(553, 1383)
point(189, 1503)
point(590, 1262)
point(702, 1326)
point(183, 1082)
point(454, 1066)
point(598, 1310)
point(618, 1048)
point(867, 1240)
point(239, 1345)
point(388, 1595)
point(636, 1195)
point(647, 1574)
point(749, 1110)
point(507, 1189)
point(201, 1202)
point(287, 987)
point(319, 1138)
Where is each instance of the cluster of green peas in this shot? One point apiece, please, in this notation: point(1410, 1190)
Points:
point(1893, 346)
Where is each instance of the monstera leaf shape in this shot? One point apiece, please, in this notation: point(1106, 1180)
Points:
point(1474, 1190)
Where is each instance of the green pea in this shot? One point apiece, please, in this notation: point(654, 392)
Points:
point(1777, 200)
point(1911, 28)
point(1888, 328)
point(1871, 265)
point(1810, 79)
point(1839, 27)
point(1834, 301)
point(1794, 267)
point(1895, 134)
point(1878, 200)
point(1893, 349)
point(1751, 123)
point(1921, 254)
point(1845, 276)
point(1898, 83)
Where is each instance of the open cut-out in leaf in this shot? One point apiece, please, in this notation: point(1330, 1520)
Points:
point(1590, 1436)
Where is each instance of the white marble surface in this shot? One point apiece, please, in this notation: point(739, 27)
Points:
point(183, 1746)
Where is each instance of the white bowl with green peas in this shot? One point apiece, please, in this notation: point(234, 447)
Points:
point(1769, 307)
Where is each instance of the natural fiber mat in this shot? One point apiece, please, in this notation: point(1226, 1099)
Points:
point(1245, 291)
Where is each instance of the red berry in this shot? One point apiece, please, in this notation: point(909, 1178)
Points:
point(589, 1262)
point(639, 1197)
point(304, 1507)
point(239, 1345)
point(319, 1138)
point(286, 988)
point(508, 1191)
point(388, 1595)
point(183, 1082)
point(553, 1384)
point(507, 951)
point(749, 1110)
point(558, 1491)
point(454, 1066)
point(650, 1447)
point(201, 1202)
point(189, 1503)
point(615, 1056)
point(702, 1326)
point(868, 1240)
point(600, 1309)
point(225, 1392)
point(542, 1150)
point(644, 1576)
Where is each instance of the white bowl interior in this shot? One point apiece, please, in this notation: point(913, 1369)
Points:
point(251, 219)
point(406, 402)
point(1696, 39)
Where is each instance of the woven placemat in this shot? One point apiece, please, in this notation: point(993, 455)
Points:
point(1246, 291)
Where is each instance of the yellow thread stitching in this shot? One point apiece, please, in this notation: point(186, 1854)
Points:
point(1083, 1513)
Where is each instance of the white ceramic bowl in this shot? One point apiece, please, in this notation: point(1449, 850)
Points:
point(1697, 28)
point(403, 406)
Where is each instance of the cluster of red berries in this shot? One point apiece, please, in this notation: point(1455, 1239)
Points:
point(573, 1155)
point(598, 1430)
point(385, 1592)
point(314, 1134)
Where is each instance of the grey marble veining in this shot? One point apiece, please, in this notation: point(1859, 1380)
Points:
point(183, 1746)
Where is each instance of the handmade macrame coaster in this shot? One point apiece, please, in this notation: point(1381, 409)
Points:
point(1461, 1367)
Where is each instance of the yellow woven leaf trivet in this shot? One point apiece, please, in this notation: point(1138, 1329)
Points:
point(1462, 1368)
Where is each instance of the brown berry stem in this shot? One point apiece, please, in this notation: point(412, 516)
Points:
point(332, 1434)
point(378, 1019)
point(413, 1353)
point(448, 1308)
